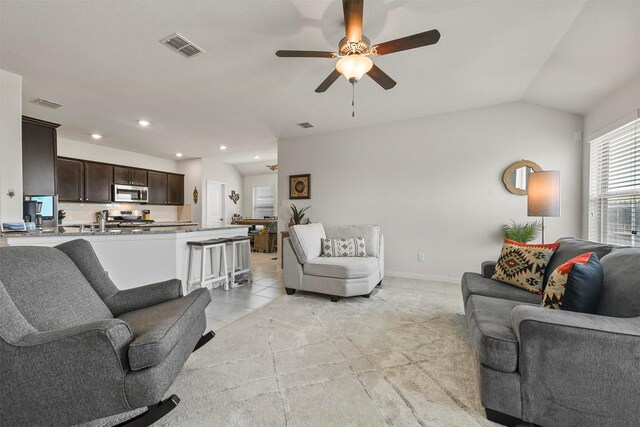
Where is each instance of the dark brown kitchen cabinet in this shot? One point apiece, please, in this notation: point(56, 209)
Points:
point(39, 151)
point(129, 176)
point(157, 183)
point(70, 180)
point(97, 182)
point(175, 189)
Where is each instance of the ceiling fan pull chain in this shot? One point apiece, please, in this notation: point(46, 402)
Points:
point(353, 99)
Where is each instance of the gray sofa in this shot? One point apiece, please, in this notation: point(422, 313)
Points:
point(554, 367)
point(305, 269)
point(75, 348)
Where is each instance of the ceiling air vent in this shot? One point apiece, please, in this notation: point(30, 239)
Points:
point(306, 125)
point(47, 103)
point(179, 44)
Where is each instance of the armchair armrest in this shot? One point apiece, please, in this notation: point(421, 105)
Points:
point(144, 296)
point(488, 268)
point(576, 368)
point(79, 367)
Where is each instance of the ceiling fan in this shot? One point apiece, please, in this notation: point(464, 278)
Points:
point(355, 50)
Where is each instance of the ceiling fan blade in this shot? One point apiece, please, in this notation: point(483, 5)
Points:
point(304, 54)
point(353, 10)
point(381, 77)
point(328, 81)
point(410, 42)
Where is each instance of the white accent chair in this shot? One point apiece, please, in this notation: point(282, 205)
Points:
point(306, 270)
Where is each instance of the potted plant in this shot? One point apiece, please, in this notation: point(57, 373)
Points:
point(297, 215)
point(522, 233)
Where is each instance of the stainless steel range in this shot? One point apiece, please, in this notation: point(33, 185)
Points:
point(124, 218)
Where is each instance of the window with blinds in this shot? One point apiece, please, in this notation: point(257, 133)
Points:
point(263, 201)
point(614, 186)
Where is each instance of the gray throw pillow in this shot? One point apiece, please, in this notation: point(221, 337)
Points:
point(347, 247)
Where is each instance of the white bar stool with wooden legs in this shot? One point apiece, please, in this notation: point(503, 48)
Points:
point(216, 248)
point(240, 258)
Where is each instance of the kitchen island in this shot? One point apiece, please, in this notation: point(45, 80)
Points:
point(134, 256)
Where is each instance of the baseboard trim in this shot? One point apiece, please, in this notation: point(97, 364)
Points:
point(421, 277)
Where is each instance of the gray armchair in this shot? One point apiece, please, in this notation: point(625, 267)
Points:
point(554, 367)
point(75, 348)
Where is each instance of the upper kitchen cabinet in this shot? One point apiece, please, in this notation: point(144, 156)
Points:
point(39, 151)
point(129, 176)
point(175, 189)
point(70, 180)
point(157, 183)
point(97, 182)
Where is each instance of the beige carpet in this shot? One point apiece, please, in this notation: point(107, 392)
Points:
point(400, 358)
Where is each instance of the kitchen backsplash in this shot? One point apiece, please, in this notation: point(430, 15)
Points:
point(84, 213)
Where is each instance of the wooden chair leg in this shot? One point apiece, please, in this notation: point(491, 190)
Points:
point(153, 413)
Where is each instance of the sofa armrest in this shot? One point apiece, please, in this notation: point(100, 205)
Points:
point(292, 265)
point(576, 368)
point(381, 256)
point(488, 268)
point(144, 296)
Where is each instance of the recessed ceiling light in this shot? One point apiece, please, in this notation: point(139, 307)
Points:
point(256, 157)
point(222, 147)
point(96, 136)
point(178, 154)
point(143, 123)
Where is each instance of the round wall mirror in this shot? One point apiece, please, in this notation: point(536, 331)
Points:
point(515, 177)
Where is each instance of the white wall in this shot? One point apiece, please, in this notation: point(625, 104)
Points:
point(192, 170)
point(250, 181)
point(100, 153)
point(434, 183)
point(222, 172)
point(10, 146)
point(616, 109)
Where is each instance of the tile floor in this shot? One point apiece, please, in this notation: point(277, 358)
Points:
point(267, 285)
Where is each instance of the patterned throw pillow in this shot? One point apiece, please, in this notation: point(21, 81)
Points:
point(575, 285)
point(523, 265)
point(350, 246)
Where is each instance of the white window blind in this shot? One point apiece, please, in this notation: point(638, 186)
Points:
point(614, 186)
point(263, 201)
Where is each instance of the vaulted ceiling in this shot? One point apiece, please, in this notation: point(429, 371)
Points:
point(103, 61)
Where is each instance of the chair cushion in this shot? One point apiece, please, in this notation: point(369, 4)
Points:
point(492, 335)
point(476, 284)
point(48, 289)
point(571, 248)
point(576, 285)
point(621, 283)
point(371, 234)
point(341, 268)
point(523, 265)
point(306, 240)
point(157, 329)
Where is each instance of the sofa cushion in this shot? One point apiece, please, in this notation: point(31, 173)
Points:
point(48, 289)
point(570, 248)
point(523, 265)
point(476, 284)
point(157, 329)
point(621, 283)
point(492, 335)
point(575, 285)
point(342, 268)
point(307, 241)
point(345, 247)
point(371, 234)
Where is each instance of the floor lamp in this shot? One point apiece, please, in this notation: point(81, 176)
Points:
point(543, 195)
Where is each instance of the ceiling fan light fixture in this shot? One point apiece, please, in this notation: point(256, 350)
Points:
point(353, 67)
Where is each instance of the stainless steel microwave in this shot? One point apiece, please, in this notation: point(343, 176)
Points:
point(130, 193)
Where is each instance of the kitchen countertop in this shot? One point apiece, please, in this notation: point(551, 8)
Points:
point(121, 231)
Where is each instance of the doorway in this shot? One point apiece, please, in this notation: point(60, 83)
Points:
point(215, 203)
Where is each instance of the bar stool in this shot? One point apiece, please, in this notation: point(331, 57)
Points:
point(215, 247)
point(240, 251)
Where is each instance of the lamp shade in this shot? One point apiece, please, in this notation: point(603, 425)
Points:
point(353, 67)
point(543, 193)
